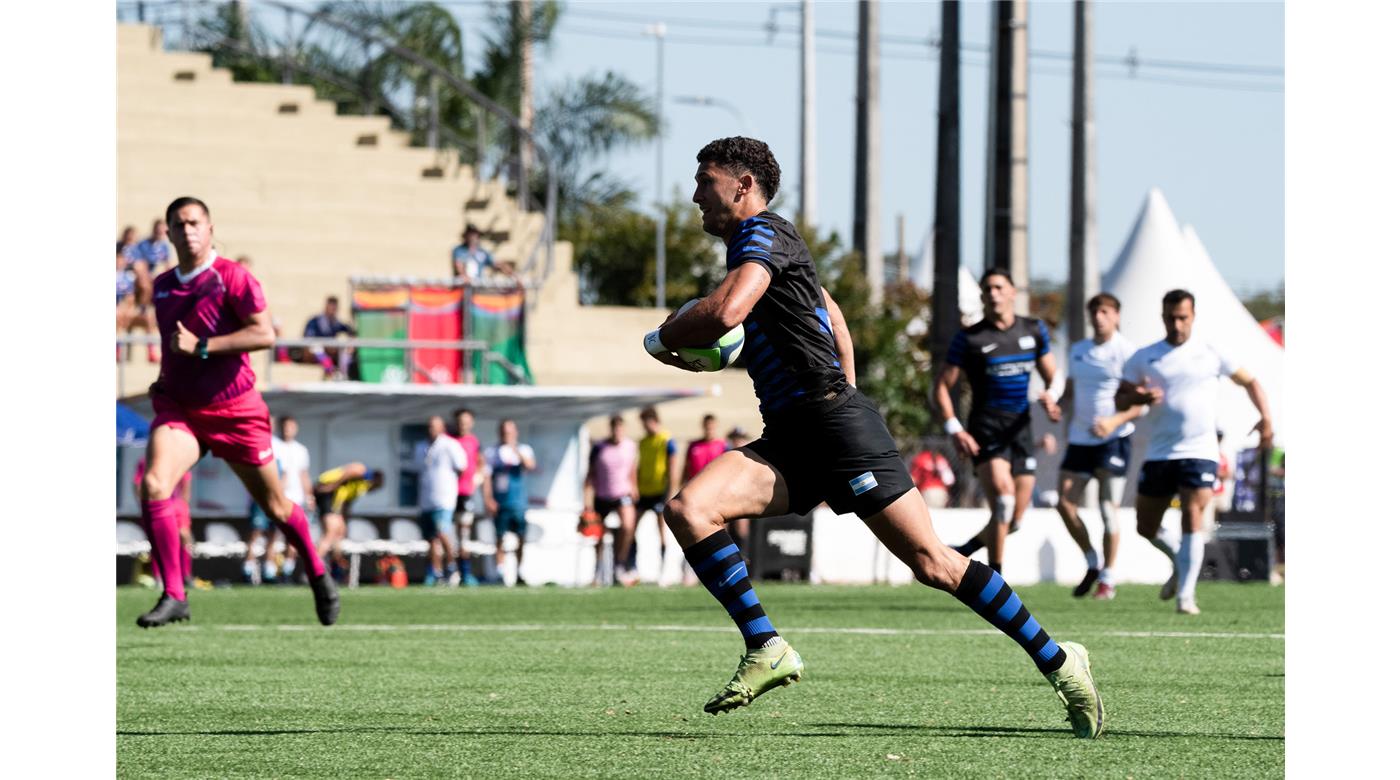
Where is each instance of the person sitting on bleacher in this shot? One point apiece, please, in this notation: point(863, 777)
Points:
point(327, 325)
point(336, 490)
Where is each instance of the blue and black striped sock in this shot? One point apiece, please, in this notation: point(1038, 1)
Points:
point(718, 564)
point(989, 596)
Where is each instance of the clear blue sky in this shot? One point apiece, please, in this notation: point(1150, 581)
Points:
point(1216, 153)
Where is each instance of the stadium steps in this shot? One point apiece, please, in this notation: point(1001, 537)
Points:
point(313, 197)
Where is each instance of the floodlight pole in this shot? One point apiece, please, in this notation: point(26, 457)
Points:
point(1083, 228)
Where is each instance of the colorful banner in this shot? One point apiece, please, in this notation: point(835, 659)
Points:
point(498, 318)
point(381, 314)
point(435, 313)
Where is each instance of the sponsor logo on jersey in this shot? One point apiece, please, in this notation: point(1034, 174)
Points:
point(1026, 342)
point(988, 348)
point(1015, 368)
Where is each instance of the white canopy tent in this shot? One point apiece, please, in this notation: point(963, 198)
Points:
point(1158, 256)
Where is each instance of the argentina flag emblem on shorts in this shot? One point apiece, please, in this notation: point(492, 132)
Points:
point(863, 483)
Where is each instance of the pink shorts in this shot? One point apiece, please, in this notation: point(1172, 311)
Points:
point(238, 430)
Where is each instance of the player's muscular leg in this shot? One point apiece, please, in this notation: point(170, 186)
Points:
point(1110, 496)
point(1149, 514)
point(627, 530)
point(736, 484)
point(905, 528)
point(265, 488)
point(1071, 492)
point(170, 453)
point(995, 477)
point(1025, 486)
point(1193, 509)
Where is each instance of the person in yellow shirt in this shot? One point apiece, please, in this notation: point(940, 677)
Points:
point(336, 490)
point(658, 475)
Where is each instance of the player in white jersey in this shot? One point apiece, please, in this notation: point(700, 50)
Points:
point(1179, 377)
point(1100, 439)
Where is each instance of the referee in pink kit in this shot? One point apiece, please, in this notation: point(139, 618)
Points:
point(211, 314)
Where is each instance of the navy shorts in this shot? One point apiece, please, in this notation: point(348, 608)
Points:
point(1163, 478)
point(432, 522)
point(1088, 459)
point(656, 503)
point(843, 455)
point(1005, 435)
point(510, 519)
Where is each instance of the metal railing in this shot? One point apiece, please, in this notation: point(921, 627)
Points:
point(188, 24)
point(468, 348)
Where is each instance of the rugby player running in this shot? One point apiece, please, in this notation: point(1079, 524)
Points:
point(822, 441)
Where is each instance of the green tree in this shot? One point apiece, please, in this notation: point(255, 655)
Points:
point(615, 254)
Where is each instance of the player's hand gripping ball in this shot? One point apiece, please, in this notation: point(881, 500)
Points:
point(716, 356)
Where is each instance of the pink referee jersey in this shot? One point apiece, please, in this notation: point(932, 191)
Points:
point(699, 454)
point(217, 300)
point(466, 483)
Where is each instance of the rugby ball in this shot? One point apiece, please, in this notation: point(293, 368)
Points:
point(717, 355)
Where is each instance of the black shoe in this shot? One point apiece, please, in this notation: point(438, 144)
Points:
point(1087, 584)
point(167, 610)
point(327, 599)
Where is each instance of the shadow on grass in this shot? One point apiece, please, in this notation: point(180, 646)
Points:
point(834, 730)
point(885, 729)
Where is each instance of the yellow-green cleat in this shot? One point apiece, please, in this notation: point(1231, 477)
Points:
point(1075, 686)
point(760, 671)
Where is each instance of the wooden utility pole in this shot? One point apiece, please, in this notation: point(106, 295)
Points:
point(1006, 242)
point(1083, 221)
point(865, 234)
point(946, 317)
point(807, 207)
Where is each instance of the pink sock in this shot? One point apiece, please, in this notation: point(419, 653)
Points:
point(163, 528)
point(186, 557)
point(298, 532)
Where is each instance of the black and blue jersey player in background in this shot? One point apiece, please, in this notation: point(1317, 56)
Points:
point(997, 355)
point(822, 441)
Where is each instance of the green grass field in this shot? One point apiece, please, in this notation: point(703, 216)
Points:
point(589, 683)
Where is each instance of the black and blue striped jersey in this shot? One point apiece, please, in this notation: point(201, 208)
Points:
point(998, 363)
point(788, 341)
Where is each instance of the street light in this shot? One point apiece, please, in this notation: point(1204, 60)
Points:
point(658, 30)
point(706, 100)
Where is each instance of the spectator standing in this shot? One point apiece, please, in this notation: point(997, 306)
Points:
point(469, 259)
point(327, 325)
point(466, 490)
point(505, 495)
point(294, 467)
point(126, 296)
point(933, 476)
point(441, 464)
point(658, 475)
point(336, 490)
point(701, 451)
point(611, 486)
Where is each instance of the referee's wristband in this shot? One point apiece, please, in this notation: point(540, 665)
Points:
point(652, 343)
point(952, 427)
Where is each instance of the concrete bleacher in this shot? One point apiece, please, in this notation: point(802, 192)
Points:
point(314, 197)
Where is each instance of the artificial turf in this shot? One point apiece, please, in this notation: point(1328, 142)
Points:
point(495, 682)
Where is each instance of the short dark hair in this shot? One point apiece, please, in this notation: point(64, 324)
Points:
point(740, 155)
point(332, 299)
point(997, 271)
point(649, 413)
point(181, 202)
point(286, 418)
point(615, 421)
point(461, 410)
point(708, 418)
point(1104, 299)
point(1177, 296)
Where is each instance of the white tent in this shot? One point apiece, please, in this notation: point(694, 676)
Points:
point(969, 293)
point(1159, 256)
